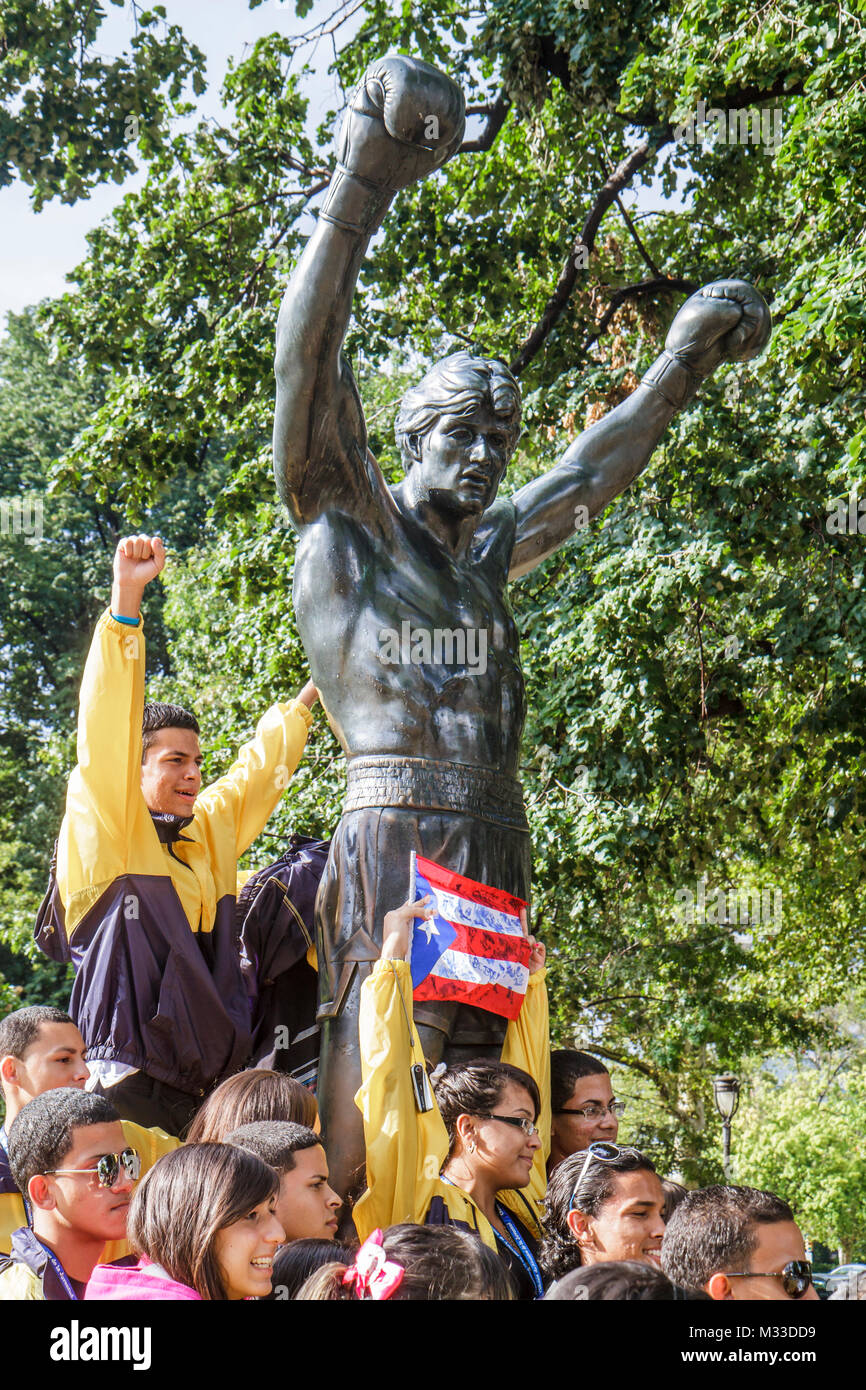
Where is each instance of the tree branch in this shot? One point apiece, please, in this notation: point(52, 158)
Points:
point(650, 263)
point(555, 305)
point(638, 291)
point(495, 121)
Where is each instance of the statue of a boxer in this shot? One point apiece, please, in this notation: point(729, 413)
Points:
point(400, 592)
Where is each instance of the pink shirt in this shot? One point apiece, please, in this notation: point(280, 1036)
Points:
point(135, 1283)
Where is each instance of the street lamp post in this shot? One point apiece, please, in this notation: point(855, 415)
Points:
point(726, 1094)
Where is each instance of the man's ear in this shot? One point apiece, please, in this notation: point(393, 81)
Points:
point(578, 1223)
point(719, 1287)
point(41, 1193)
point(413, 447)
point(9, 1070)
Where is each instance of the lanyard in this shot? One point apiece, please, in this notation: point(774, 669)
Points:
point(520, 1248)
point(60, 1272)
point(28, 1210)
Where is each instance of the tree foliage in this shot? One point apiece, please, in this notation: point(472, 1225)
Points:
point(69, 116)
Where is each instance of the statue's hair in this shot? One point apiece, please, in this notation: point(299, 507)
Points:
point(458, 385)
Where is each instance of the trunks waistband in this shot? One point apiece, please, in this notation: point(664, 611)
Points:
point(423, 785)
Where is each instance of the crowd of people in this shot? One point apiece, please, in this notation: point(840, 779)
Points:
point(142, 1158)
point(93, 1207)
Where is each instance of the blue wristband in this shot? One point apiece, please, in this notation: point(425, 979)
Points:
point(130, 622)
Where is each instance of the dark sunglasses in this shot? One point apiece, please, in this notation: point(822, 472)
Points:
point(796, 1277)
point(107, 1168)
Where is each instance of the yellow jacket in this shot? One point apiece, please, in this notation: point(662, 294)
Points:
point(406, 1149)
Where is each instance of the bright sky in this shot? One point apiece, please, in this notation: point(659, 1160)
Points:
point(37, 250)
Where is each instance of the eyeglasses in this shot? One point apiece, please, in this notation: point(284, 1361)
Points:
point(594, 1111)
point(107, 1169)
point(602, 1152)
point(796, 1276)
point(526, 1125)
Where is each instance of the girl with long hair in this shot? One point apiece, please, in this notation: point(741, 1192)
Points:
point(248, 1097)
point(202, 1222)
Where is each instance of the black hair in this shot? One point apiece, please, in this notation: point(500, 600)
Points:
point(275, 1142)
point(560, 1252)
point(19, 1030)
point(629, 1281)
point(294, 1264)
point(715, 1229)
point(41, 1134)
point(439, 1262)
point(156, 716)
point(476, 1089)
point(674, 1194)
point(568, 1067)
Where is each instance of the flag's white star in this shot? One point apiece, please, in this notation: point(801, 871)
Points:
point(429, 928)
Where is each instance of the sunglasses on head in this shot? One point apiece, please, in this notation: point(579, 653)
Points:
point(602, 1152)
point(796, 1277)
point(107, 1168)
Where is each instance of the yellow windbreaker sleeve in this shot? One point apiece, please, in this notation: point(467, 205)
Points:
point(405, 1149)
point(105, 810)
point(12, 1215)
point(18, 1284)
point(527, 1045)
point(240, 803)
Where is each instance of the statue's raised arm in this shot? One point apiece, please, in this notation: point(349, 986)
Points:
point(403, 121)
point(727, 321)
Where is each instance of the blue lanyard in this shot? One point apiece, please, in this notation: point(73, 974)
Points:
point(28, 1210)
point(520, 1249)
point(60, 1272)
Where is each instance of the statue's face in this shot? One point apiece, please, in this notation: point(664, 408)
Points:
point(461, 461)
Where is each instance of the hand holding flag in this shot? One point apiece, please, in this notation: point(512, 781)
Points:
point(472, 946)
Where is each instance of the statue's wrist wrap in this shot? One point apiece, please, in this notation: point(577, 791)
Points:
point(355, 203)
point(673, 379)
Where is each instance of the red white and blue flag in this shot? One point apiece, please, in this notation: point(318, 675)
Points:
point(474, 949)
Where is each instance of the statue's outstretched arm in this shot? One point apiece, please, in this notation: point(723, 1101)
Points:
point(724, 322)
point(404, 120)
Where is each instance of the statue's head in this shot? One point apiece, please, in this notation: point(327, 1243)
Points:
point(458, 428)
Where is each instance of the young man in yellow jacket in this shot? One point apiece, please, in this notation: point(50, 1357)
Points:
point(147, 871)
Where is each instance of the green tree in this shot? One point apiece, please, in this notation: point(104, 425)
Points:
point(69, 116)
point(800, 1134)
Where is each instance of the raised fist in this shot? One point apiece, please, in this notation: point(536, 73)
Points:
point(404, 120)
point(727, 321)
point(137, 560)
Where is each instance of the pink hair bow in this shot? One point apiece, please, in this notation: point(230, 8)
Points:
point(372, 1274)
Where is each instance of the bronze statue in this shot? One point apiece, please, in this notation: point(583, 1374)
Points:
point(400, 592)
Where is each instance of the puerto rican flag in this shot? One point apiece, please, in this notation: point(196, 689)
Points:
point(474, 950)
